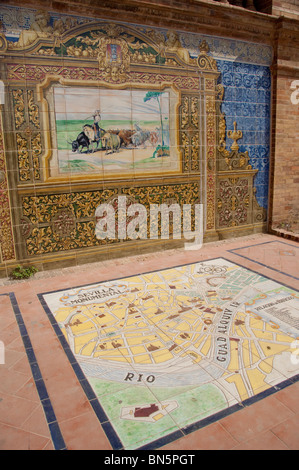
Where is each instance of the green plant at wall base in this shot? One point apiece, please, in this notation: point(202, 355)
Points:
point(21, 272)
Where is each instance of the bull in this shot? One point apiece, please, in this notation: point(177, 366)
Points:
point(81, 141)
point(124, 135)
point(140, 136)
point(111, 142)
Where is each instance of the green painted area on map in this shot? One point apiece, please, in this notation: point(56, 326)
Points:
point(194, 404)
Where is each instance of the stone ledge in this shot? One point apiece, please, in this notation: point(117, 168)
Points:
point(285, 234)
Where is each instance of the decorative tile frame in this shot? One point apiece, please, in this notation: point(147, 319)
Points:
point(7, 249)
point(69, 52)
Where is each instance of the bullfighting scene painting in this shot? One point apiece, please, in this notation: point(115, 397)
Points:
point(120, 130)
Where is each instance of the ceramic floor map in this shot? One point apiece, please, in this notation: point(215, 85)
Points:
point(164, 350)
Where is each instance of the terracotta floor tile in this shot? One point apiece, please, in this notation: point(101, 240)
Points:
point(28, 391)
point(6, 320)
point(11, 381)
point(72, 402)
point(93, 438)
point(10, 334)
point(263, 441)
point(256, 418)
point(22, 365)
point(290, 397)
point(15, 410)
point(12, 357)
point(17, 439)
point(14, 342)
point(36, 423)
point(48, 446)
point(288, 432)
point(212, 437)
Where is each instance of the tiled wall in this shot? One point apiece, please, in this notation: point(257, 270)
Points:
point(247, 100)
point(234, 91)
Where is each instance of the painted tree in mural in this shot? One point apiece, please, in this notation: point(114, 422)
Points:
point(157, 96)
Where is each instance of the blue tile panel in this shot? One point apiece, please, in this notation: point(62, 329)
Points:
point(247, 98)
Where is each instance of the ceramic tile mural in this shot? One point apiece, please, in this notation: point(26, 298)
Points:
point(164, 350)
point(95, 108)
point(133, 126)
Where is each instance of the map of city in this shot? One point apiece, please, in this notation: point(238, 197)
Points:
point(166, 349)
